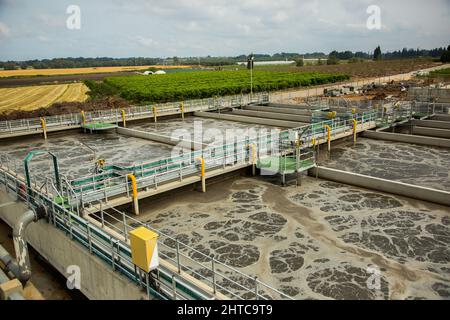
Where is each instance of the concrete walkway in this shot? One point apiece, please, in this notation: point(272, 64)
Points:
point(267, 122)
point(383, 185)
point(407, 138)
point(272, 115)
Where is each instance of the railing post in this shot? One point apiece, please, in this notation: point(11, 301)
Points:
point(125, 229)
point(174, 287)
point(102, 215)
point(213, 269)
point(178, 255)
point(113, 263)
point(256, 289)
point(89, 237)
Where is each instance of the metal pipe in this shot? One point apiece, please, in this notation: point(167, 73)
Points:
point(21, 268)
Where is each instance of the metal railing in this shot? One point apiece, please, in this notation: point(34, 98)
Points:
point(151, 175)
point(115, 251)
point(114, 180)
point(430, 108)
point(33, 125)
point(154, 174)
point(216, 274)
point(111, 250)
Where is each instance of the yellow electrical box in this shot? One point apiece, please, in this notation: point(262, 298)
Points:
point(144, 248)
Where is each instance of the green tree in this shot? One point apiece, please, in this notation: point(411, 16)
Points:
point(377, 54)
point(320, 62)
point(300, 62)
point(445, 57)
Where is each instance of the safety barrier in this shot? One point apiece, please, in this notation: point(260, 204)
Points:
point(114, 181)
point(115, 251)
point(34, 125)
point(216, 274)
point(152, 175)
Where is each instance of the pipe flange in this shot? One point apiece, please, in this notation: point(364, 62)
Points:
point(41, 212)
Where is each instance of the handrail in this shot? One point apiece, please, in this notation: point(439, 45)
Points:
point(174, 247)
point(117, 253)
point(133, 112)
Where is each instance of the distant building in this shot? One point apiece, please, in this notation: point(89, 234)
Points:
point(147, 73)
point(268, 63)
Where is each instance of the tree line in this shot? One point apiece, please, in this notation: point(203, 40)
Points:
point(331, 58)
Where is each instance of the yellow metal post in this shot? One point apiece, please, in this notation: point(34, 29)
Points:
point(135, 193)
point(83, 117)
point(155, 115)
point(124, 118)
point(44, 127)
point(182, 110)
point(355, 124)
point(202, 173)
point(328, 136)
point(253, 158)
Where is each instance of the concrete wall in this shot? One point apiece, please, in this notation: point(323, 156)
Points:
point(267, 122)
point(290, 106)
point(431, 132)
point(98, 281)
point(273, 115)
point(160, 138)
point(441, 117)
point(432, 124)
point(383, 185)
point(428, 141)
point(278, 110)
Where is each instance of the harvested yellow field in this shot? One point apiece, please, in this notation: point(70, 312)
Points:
point(54, 72)
point(34, 97)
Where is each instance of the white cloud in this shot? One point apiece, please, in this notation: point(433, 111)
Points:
point(220, 27)
point(192, 26)
point(280, 17)
point(244, 28)
point(43, 38)
point(4, 30)
point(143, 41)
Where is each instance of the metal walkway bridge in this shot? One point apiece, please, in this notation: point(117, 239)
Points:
point(23, 127)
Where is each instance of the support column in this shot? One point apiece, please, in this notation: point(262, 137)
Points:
point(253, 158)
point(328, 137)
point(155, 116)
point(44, 128)
point(124, 120)
point(135, 194)
point(298, 163)
point(202, 173)
point(355, 126)
point(83, 118)
point(182, 110)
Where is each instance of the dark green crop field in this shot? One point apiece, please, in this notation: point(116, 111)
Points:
point(196, 85)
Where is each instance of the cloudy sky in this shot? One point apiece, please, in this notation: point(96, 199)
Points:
point(120, 28)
